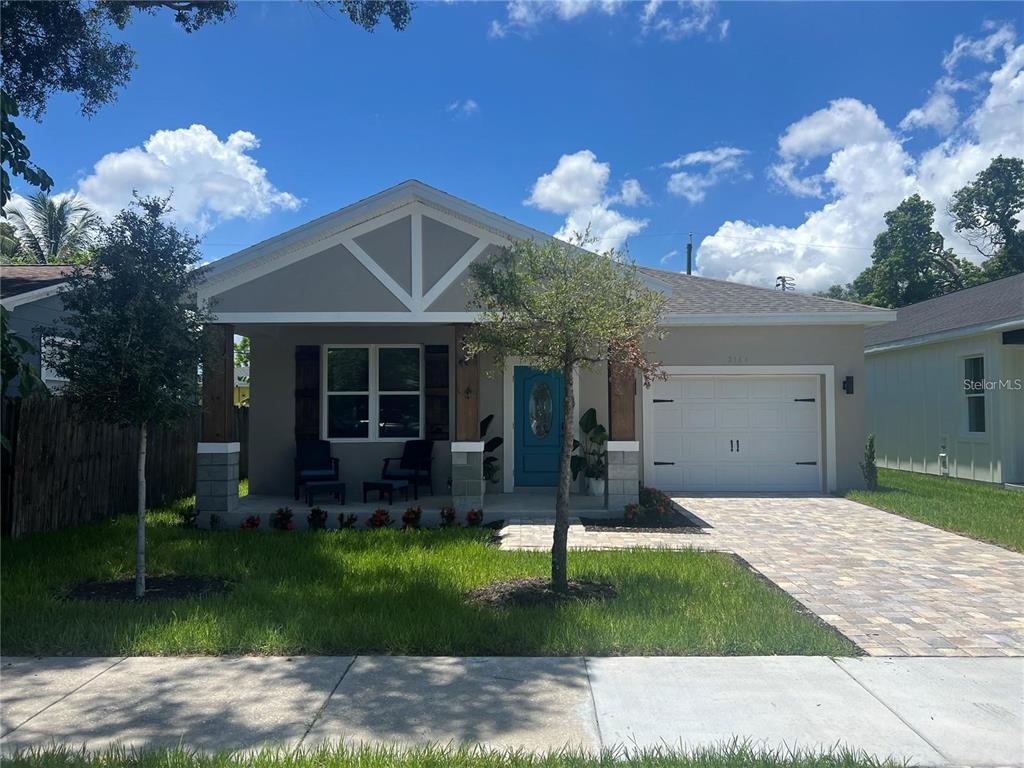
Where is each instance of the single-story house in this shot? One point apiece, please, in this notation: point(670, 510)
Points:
point(31, 294)
point(354, 322)
point(945, 384)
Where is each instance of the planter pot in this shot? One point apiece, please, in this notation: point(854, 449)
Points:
point(595, 486)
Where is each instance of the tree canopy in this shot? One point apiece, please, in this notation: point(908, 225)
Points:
point(987, 213)
point(48, 230)
point(563, 307)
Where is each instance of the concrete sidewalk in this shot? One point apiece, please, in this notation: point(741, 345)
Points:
point(931, 711)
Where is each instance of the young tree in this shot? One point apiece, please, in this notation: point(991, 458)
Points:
point(987, 213)
point(563, 307)
point(133, 334)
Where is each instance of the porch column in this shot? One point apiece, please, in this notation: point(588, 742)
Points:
point(467, 448)
point(218, 453)
point(623, 486)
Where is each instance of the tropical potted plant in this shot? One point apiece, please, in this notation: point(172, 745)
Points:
point(592, 457)
point(491, 469)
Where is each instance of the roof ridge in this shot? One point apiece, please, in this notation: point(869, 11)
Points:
point(966, 288)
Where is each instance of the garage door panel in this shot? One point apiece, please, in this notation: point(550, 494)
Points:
point(737, 433)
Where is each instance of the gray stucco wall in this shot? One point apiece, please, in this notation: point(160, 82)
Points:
point(839, 346)
point(26, 322)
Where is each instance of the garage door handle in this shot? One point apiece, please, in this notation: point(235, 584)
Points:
point(803, 399)
point(807, 463)
point(664, 463)
point(663, 401)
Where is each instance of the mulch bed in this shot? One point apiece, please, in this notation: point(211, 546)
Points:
point(670, 524)
point(157, 588)
point(520, 593)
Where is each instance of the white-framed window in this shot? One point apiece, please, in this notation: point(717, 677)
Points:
point(49, 376)
point(372, 392)
point(974, 394)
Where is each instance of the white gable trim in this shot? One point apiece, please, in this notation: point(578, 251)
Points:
point(29, 296)
point(379, 272)
point(416, 258)
point(456, 270)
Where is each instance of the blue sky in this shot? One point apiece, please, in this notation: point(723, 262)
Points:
point(772, 131)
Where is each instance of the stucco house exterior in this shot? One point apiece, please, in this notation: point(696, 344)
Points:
point(31, 295)
point(945, 384)
point(354, 321)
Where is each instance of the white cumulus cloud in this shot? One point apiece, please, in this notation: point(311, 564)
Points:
point(668, 20)
point(212, 180)
point(704, 169)
point(847, 156)
point(577, 189)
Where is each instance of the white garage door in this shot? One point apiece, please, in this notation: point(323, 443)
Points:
point(737, 433)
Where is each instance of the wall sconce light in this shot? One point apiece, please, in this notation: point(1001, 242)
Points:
point(848, 385)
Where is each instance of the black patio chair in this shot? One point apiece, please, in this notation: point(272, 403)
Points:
point(413, 466)
point(313, 461)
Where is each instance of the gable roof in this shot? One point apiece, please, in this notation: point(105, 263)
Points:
point(694, 297)
point(971, 310)
point(23, 284)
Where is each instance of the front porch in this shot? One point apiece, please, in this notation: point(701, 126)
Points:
point(521, 505)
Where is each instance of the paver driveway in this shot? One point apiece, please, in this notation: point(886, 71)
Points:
point(894, 586)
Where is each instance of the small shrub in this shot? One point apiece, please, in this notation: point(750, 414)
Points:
point(448, 517)
point(346, 521)
point(632, 512)
point(214, 521)
point(316, 519)
point(379, 519)
point(251, 523)
point(411, 517)
point(474, 517)
point(188, 516)
point(281, 520)
point(868, 466)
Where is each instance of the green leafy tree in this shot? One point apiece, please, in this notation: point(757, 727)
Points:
point(910, 262)
point(133, 337)
point(66, 46)
point(563, 307)
point(54, 231)
point(987, 213)
point(841, 292)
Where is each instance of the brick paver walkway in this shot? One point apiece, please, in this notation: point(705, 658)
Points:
point(894, 586)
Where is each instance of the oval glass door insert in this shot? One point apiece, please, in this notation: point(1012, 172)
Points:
point(540, 409)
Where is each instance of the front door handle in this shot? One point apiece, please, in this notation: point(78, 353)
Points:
point(737, 446)
point(730, 446)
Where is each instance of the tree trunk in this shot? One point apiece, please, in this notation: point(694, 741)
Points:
point(140, 535)
point(559, 548)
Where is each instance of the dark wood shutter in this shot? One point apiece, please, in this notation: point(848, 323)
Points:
point(437, 396)
point(307, 391)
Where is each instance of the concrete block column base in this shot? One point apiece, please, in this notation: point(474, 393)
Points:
point(623, 486)
point(216, 479)
point(467, 476)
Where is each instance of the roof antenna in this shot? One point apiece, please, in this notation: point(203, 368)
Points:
point(785, 283)
point(689, 256)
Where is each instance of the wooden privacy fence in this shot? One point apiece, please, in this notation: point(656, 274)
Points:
point(63, 470)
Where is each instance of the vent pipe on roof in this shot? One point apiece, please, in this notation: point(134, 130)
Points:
point(689, 256)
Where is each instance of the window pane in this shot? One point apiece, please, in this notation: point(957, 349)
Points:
point(348, 416)
point(974, 372)
point(399, 415)
point(399, 369)
point(348, 369)
point(976, 414)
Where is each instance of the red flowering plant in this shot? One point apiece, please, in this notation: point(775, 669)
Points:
point(632, 512)
point(474, 517)
point(317, 519)
point(654, 504)
point(448, 517)
point(411, 518)
point(281, 520)
point(379, 519)
point(252, 522)
point(347, 521)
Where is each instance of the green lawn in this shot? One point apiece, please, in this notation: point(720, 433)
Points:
point(979, 510)
point(736, 756)
point(382, 592)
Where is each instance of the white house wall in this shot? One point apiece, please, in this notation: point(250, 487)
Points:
point(916, 405)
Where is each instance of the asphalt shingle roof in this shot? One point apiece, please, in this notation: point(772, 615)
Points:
point(16, 280)
point(693, 295)
point(994, 302)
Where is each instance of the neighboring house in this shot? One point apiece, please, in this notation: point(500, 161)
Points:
point(946, 384)
point(31, 295)
point(354, 322)
point(241, 389)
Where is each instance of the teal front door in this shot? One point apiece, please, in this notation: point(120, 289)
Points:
point(539, 397)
